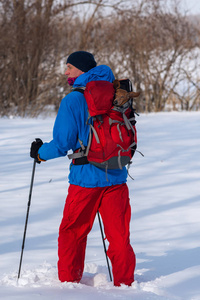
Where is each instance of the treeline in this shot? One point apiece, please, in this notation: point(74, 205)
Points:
point(157, 47)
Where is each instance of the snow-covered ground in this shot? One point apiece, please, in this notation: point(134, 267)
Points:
point(165, 225)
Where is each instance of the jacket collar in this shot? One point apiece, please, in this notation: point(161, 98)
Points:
point(101, 72)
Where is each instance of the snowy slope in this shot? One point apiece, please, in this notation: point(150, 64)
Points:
point(165, 225)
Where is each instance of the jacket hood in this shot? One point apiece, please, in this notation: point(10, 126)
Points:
point(101, 72)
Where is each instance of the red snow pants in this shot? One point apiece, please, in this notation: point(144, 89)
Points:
point(79, 213)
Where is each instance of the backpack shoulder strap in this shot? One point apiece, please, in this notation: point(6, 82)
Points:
point(79, 89)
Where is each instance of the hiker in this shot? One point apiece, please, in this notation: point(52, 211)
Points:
point(89, 189)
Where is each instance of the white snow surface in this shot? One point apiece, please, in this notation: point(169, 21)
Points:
point(165, 223)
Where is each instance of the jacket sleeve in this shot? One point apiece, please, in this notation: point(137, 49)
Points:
point(65, 132)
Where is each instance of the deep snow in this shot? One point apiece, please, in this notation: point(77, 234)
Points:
point(165, 225)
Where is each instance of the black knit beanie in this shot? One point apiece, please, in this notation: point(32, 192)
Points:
point(82, 60)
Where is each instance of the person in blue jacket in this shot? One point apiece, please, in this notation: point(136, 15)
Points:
point(89, 189)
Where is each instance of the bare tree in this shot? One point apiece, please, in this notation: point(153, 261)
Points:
point(142, 40)
point(150, 44)
point(29, 53)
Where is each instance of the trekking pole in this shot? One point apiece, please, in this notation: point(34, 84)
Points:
point(27, 214)
point(104, 245)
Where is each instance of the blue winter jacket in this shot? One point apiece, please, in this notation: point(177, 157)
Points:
point(70, 125)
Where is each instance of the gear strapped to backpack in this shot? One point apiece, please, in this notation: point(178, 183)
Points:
point(112, 137)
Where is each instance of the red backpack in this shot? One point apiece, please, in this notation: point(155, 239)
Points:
point(112, 138)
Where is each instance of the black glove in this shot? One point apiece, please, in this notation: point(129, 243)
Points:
point(34, 149)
